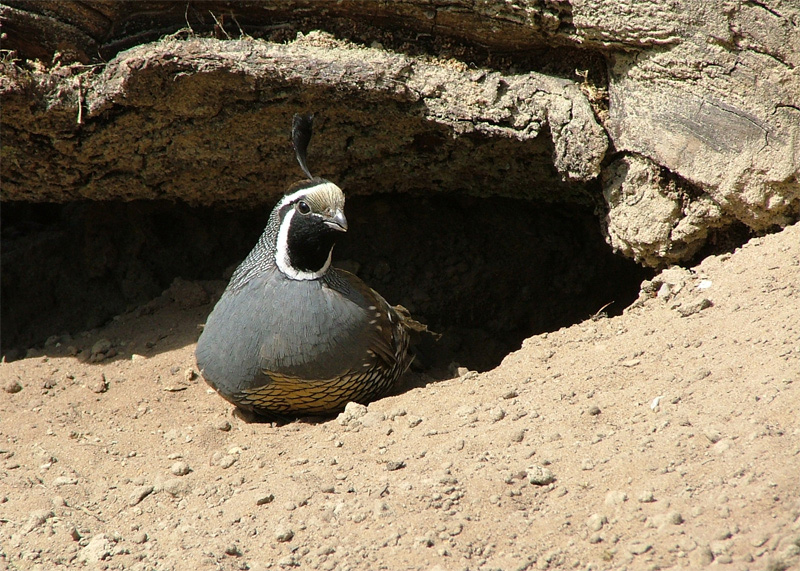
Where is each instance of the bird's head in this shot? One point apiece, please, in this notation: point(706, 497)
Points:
point(311, 218)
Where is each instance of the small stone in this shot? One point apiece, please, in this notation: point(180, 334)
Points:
point(616, 498)
point(37, 519)
point(264, 499)
point(539, 475)
point(351, 413)
point(596, 521)
point(510, 394)
point(646, 497)
point(175, 487)
point(100, 348)
point(639, 547)
point(180, 468)
point(395, 465)
point(233, 550)
point(675, 518)
point(686, 309)
point(223, 425)
point(12, 386)
point(139, 537)
point(137, 358)
point(99, 548)
point(64, 481)
point(138, 494)
point(497, 414)
point(587, 464)
point(712, 434)
point(701, 556)
point(189, 374)
point(594, 410)
point(518, 436)
point(98, 384)
point(226, 461)
point(283, 534)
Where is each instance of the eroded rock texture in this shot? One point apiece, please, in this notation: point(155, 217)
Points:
point(688, 120)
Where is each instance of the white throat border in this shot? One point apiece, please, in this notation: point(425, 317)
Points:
point(282, 254)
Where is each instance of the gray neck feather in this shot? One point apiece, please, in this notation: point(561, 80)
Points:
point(261, 258)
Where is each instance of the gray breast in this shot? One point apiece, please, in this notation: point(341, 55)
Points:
point(303, 329)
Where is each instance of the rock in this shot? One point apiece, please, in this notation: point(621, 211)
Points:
point(712, 434)
point(539, 475)
point(646, 497)
point(36, 519)
point(180, 468)
point(593, 410)
point(223, 425)
point(616, 498)
point(138, 494)
point(12, 386)
point(283, 534)
point(639, 547)
point(139, 537)
point(98, 549)
point(596, 521)
point(263, 499)
point(98, 385)
point(701, 556)
point(100, 348)
point(175, 486)
point(64, 481)
point(351, 413)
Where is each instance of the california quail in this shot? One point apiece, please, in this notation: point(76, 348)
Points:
point(291, 334)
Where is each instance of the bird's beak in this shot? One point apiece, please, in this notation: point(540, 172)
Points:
point(337, 221)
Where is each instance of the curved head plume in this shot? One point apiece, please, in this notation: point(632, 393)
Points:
point(301, 135)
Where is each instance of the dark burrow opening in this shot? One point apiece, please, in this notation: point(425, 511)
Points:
point(484, 272)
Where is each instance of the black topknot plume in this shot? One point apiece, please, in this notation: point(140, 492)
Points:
point(301, 135)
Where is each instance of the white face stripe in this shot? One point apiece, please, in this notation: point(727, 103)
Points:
point(282, 252)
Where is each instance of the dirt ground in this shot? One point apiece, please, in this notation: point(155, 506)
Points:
point(665, 438)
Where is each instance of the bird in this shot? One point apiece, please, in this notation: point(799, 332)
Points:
point(291, 334)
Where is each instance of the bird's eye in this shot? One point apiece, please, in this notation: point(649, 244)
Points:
point(302, 207)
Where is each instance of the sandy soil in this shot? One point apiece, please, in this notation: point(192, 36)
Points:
point(668, 437)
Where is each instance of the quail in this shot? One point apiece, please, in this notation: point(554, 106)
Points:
point(292, 334)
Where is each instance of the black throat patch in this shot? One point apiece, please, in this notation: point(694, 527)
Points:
point(309, 242)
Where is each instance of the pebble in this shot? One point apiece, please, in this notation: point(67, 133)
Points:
point(616, 498)
point(646, 497)
point(138, 494)
point(539, 475)
point(180, 468)
point(264, 499)
point(99, 548)
point(64, 481)
point(175, 486)
point(639, 547)
point(233, 550)
point(37, 518)
point(497, 414)
point(518, 436)
point(223, 425)
point(595, 522)
point(712, 434)
point(587, 464)
point(701, 556)
point(283, 534)
point(351, 413)
point(100, 349)
point(98, 384)
point(395, 465)
point(139, 537)
point(12, 386)
point(594, 410)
